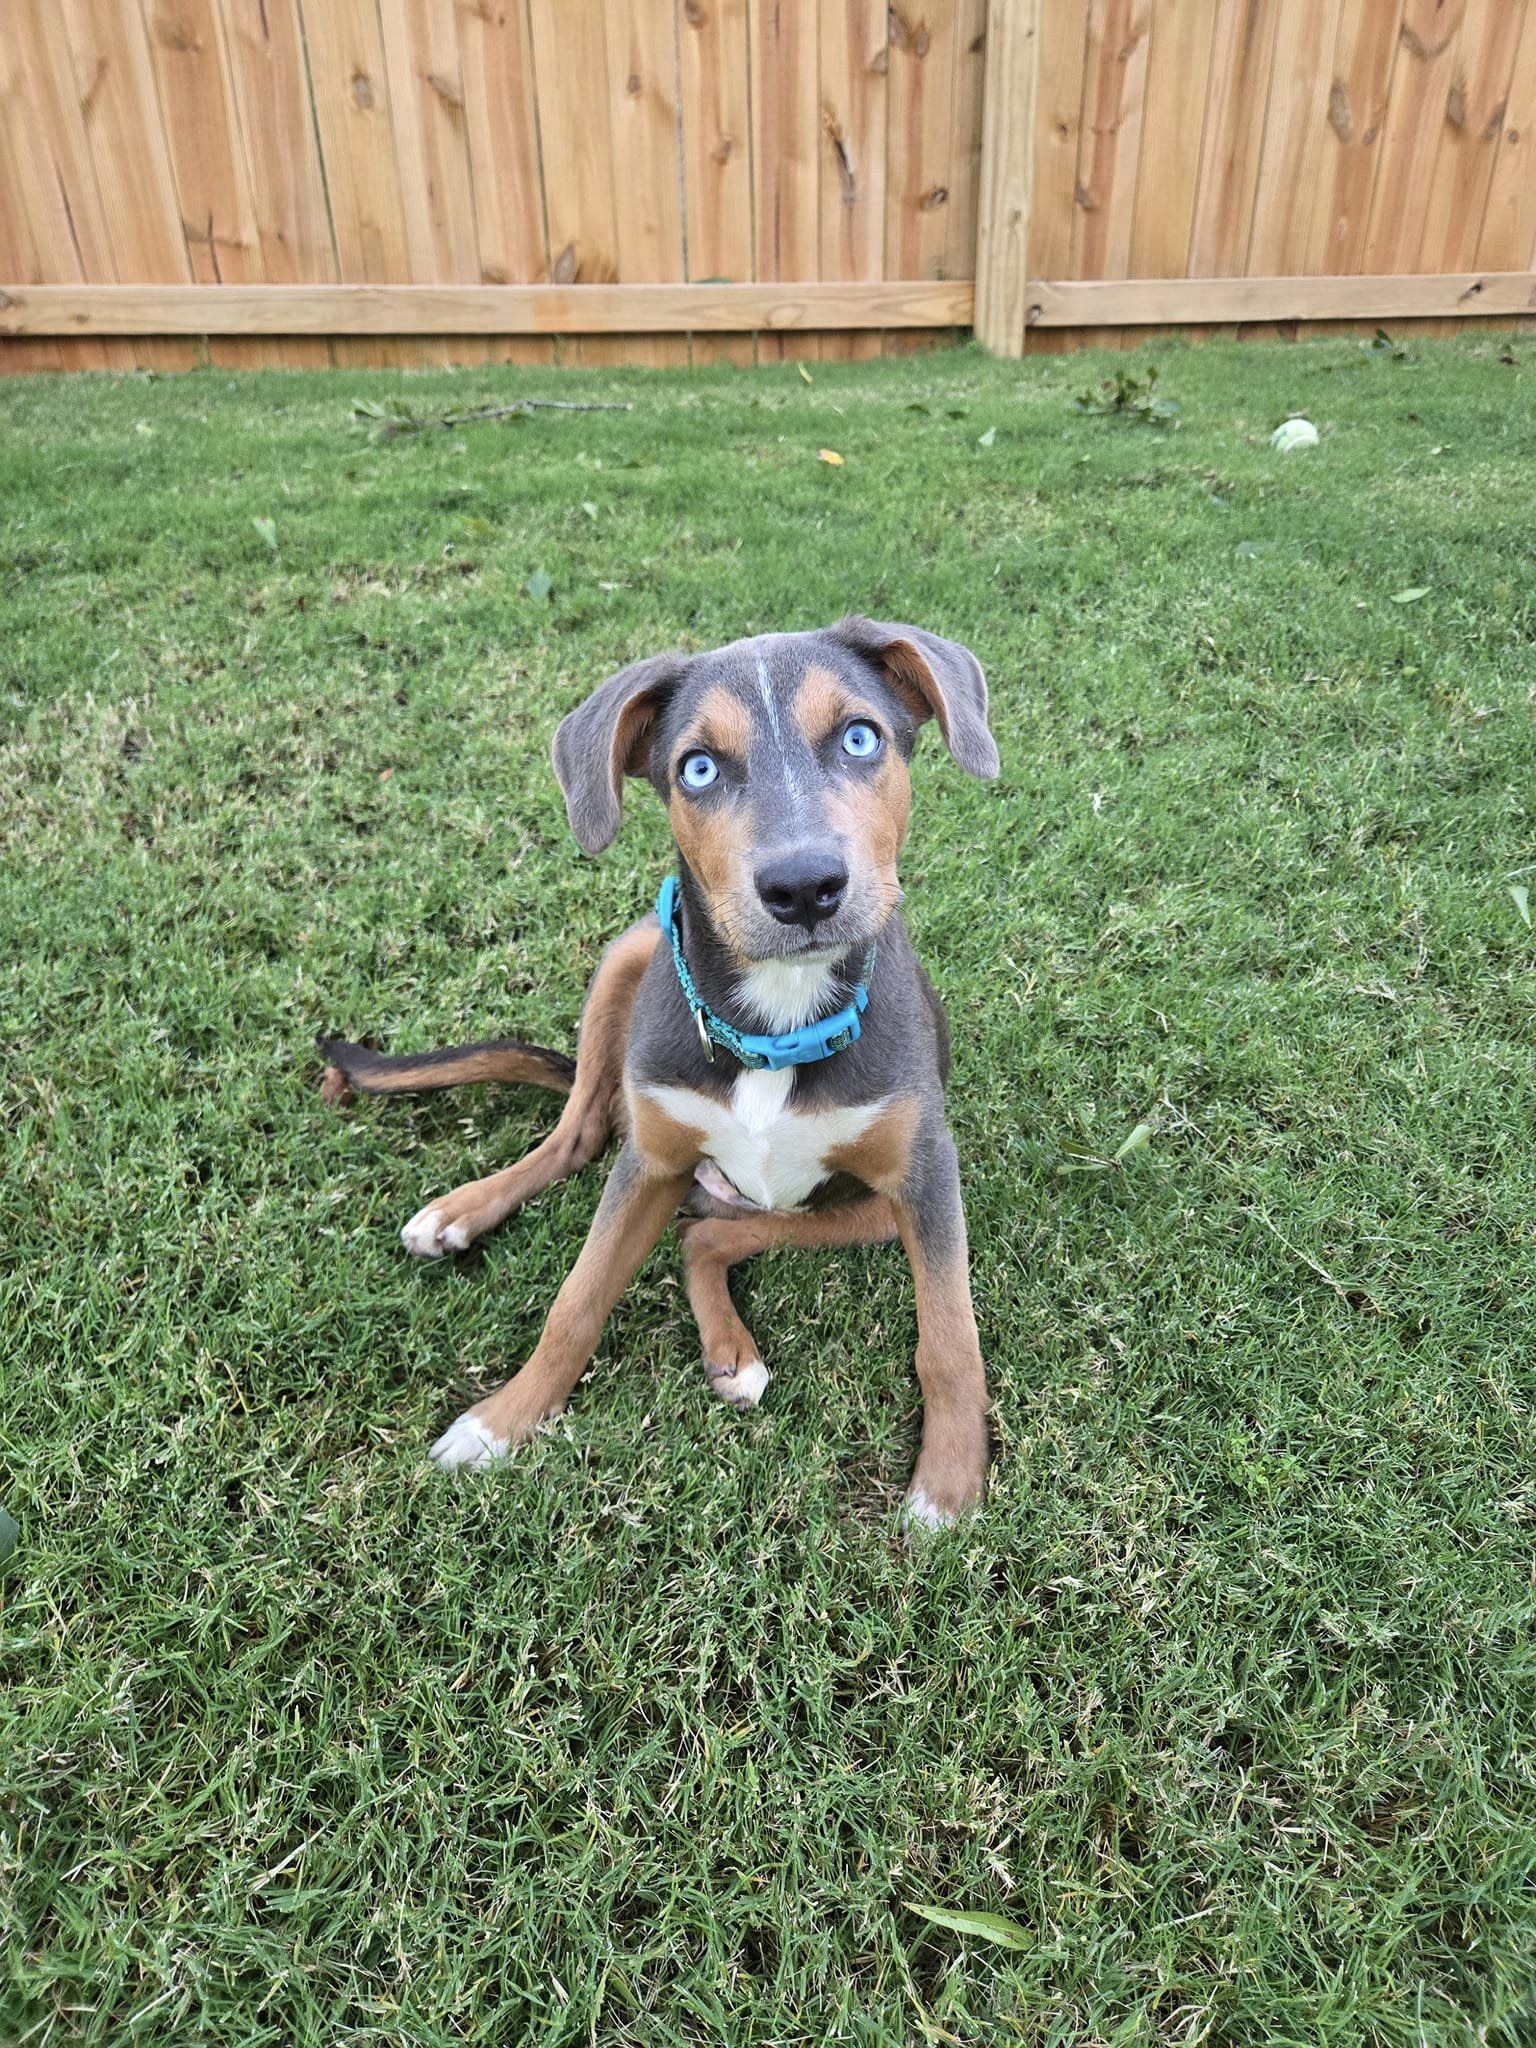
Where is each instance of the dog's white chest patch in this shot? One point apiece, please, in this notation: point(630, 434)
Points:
point(768, 1152)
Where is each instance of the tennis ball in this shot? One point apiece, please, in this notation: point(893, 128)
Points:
point(1293, 434)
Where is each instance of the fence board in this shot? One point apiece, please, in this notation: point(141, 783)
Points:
point(269, 90)
point(1114, 91)
point(207, 156)
point(426, 95)
point(713, 76)
point(786, 156)
point(1004, 204)
point(121, 115)
point(920, 137)
point(919, 143)
point(270, 93)
point(1063, 46)
point(1178, 80)
point(1109, 149)
point(1508, 236)
point(1364, 54)
point(854, 64)
point(648, 216)
point(570, 63)
point(501, 133)
point(352, 113)
point(1469, 134)
point(1421, 83)
point(968, 70)
point(350, 89)
point(1294, 145)
point(207, 152)
point(56, 231)
point(426, 103)
point(1241, 60)
point(1474, 115)
point(19, 255)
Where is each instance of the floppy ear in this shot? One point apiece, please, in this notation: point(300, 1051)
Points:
point(607, 738)
point(934, 678)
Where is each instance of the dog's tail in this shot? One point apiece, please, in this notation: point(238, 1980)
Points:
point(350, 1067)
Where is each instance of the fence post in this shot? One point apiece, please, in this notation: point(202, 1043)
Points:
point(1007, 174)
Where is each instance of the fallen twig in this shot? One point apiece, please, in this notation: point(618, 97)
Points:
point(391, 417)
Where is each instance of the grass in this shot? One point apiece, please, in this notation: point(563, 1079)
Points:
point(657, 1735)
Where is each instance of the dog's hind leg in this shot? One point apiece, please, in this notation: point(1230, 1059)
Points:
point(454, 1221)
point(732, 1363)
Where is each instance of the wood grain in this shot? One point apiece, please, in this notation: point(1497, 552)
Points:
point(1167, 179)
point(713, 37)
point(269, 90)
point(643, 112)
point(1063, 44)
point(502, 137)
point(786, 157)
point(1364, 56)
point(1241, 58)
point(570, 57)
point(854, 67)
point(1416, 106)
point(119, 107)
point(1507, 239)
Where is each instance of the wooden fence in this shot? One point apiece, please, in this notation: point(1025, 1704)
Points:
point(1266, 161)
point(303, 181)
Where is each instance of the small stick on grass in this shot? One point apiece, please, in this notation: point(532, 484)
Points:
point(393, 418)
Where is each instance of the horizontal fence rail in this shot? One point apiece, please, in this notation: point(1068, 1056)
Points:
point(477, 309)
point(1200, 301)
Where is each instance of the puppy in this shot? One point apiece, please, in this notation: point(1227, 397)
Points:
point(765, 1047)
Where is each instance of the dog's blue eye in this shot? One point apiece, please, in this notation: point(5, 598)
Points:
point(861, 740)
point(698, 771)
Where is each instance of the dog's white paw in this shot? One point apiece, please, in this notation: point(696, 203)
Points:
point(428, 1235)
point(919, 1513)
point(744, 1387)
point(467, 1446)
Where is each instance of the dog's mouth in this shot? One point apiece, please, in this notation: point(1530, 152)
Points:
point(809, 949)
point(758, 940)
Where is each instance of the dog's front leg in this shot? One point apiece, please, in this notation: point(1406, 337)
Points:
point(638, 1202)
point(951, 1472)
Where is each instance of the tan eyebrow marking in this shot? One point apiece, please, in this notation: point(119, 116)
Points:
point(721, 722)
point(821, 704)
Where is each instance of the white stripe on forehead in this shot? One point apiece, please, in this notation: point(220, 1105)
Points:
point(765, 691)
point(770, 705)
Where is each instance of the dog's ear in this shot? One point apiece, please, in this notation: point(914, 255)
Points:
point(607, 738)
point(934, 678)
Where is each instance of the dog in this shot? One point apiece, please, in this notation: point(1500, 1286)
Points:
point(765, 1046)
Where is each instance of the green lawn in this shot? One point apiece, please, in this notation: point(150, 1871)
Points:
point(655, 1735)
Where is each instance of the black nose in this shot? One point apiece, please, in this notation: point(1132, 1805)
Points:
point(802, 887)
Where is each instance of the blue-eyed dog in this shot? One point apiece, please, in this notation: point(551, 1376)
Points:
point(773, 1063)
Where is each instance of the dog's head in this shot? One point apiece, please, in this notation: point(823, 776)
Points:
point(783, 765)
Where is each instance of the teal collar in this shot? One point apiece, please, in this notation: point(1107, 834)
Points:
point(800, 1048)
